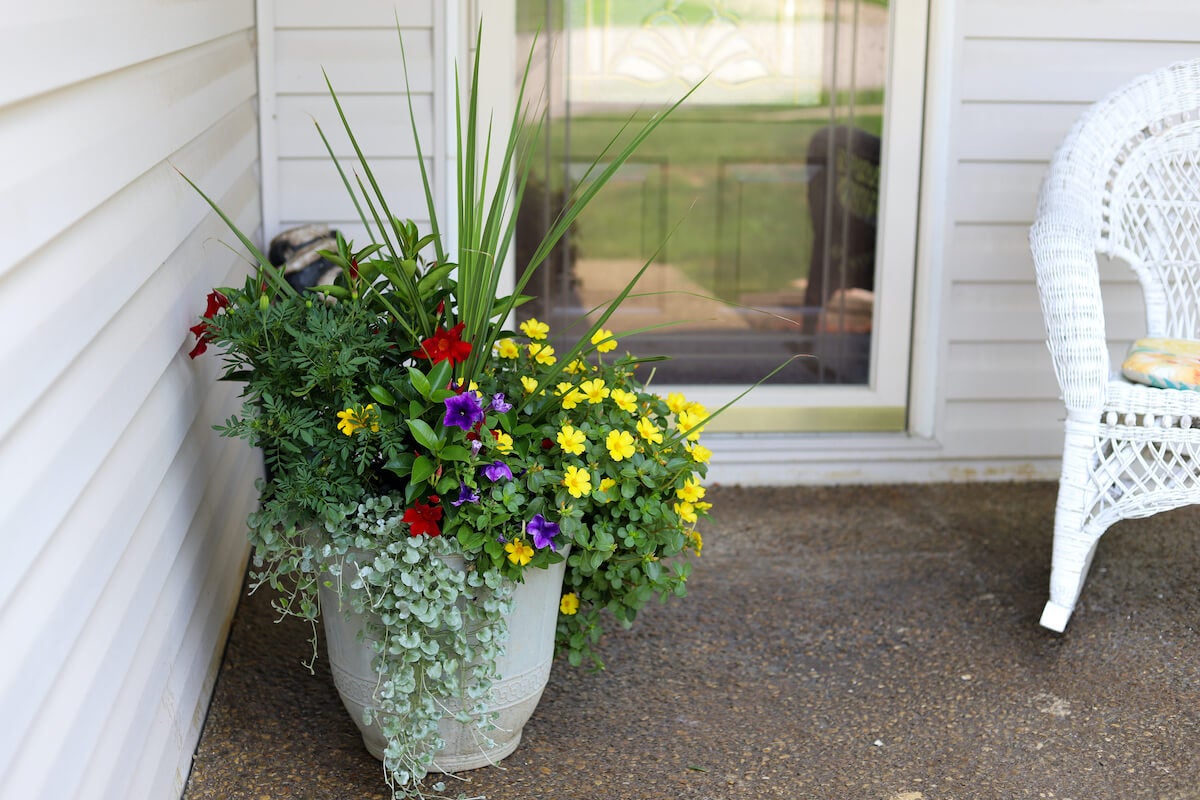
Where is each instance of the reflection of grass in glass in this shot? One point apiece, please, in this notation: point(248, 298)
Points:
point(749, 232)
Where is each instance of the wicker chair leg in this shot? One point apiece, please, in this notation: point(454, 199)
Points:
point(1076, 529)
point(1073, 552)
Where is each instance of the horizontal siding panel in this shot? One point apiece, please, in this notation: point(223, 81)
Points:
point(997, 253)
point(312, 190)
point(1013, 131)
point(1003, 429)
point(1000, 371)
point(152, 481)
point(1012, 313)
point(1053, 71)
point(153, 707)
point(98, 38)
point(380, 123)
point(357, 61)
point(121, 244)
point(107, 490)
point(995, 192)
point(992, 253)
point(1106, 20)
point(134, 119)
point(54, 453)
point(118, 578)
point(353, 14)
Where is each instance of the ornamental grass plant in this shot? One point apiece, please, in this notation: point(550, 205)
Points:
point(404, 416)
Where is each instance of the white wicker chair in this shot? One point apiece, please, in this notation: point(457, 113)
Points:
point(1124, 183)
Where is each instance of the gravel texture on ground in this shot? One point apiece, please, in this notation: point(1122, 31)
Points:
point(864, 642)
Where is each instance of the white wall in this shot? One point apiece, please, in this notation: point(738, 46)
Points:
point(356, 44)
point(1017, 74)
point(1004, 81)
point(121, 513)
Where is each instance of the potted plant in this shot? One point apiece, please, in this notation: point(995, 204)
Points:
point(428, 461)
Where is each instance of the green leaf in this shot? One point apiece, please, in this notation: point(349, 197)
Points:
point(439, 376)
point(419, 381)
point(400, 465)
point(455, 452)
point(422, 469)
point(382, 395)
point(424, 434)
point(470, 539)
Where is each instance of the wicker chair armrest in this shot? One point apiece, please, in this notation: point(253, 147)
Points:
point(1068, 279)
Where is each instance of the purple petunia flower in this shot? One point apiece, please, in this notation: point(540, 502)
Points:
point(476, 446)
point(463, 411)
point(498, 403)
point(465, 495)
point(497, 470)
point(543, 532)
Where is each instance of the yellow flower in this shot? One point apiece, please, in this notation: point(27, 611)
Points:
point(352, 419)
point(530, 384)
point(689, 423)
point(602, 346)
point(606, 484)
point(534, 329)
point(594, 391)
point(691, 491)
point(686, 512)
point(676, 402)
point(507, 348)
point(573, 398)
point(619, 444)
point(578, 481)
point(697, 410)
point(649, 431)
point(700, 453)
point(571, 440)
point(695, 540)
point(569, 604)
point(577, 366)
point(626, 401)
point(504, 442)
point(542, 353)
point(518, 552)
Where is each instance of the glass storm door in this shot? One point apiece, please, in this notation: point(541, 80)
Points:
point(760, 203)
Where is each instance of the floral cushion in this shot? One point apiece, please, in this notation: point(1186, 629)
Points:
point(1164, 363)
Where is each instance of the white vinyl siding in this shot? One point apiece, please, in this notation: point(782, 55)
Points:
point(357, 45)
point(123, 512)
point(1021, 73)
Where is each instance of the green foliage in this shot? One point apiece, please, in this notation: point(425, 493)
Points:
point(436, 624)
point(401, 422)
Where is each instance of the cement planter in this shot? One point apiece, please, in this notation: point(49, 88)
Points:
point(524, 670)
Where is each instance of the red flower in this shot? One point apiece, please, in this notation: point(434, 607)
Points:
point(216, 301)
point(423, 518)
point(202, 339)
point(445, 346)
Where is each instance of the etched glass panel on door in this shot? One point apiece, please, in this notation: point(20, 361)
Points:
point(756, 202)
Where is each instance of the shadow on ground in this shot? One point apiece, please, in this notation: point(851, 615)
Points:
point(869, 643)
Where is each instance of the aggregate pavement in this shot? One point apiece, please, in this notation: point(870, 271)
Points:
point(858, 642)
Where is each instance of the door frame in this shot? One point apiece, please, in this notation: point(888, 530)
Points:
point(883, 404)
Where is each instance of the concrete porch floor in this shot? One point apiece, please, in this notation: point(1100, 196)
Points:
point(868, 643)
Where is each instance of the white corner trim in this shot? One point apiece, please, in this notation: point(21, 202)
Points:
point(929, 296)
point(268, 139)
